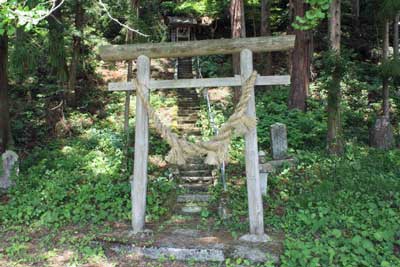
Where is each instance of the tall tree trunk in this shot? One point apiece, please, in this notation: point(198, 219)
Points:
point(334, 136)
point(134, 4)
point(355, 10)
point(238, 28)
point(396, 37)
point(385, 82)
point(56, 49)
point(382, 133)
point(265, 30)
point(301, 61)
point(5, 130)
point(76, 52)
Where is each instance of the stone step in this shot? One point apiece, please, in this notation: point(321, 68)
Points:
point(185, 125)
point(197, 246)
point(194, 99)
point(181, 254)
point(188, 98)
point(189, 132)
point(189, 110)
point(184, 121)
point(197, 179)
point(186, 113)
point(191, 117)
point(198, 172)
point(196, 160)
point(198, 187)
point(190, 166)
point(191, 208)
point(189, 106)
point(188, 103)
point(193, 198)
point(190, 92)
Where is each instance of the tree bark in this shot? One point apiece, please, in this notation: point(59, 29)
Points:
point(265, 30)
point(396, 37)
point(238, 28)
point(56, 49)
point(334, 135)
point(5, 129)
point(301, 62)
point(76, 53)
point(134, 5)
point(382, 132)
point(355, 10)
point(385, 82)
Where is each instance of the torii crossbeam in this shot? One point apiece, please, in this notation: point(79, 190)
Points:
point(143, 53)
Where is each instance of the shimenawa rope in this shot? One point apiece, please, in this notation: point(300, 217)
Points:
point(216, 149)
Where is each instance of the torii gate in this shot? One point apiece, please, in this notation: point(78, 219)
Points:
point(143, 53)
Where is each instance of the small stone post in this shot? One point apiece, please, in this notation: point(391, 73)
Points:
point(263, 173)
point(279, 144)
point(9, 160)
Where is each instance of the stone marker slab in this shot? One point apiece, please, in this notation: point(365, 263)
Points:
point(9, 160)
point(279, 144)
point(381, 135)
point(252, 253)
point(264, 182)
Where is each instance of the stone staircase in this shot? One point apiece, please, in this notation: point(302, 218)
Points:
point(195, 177)
point(188, 108)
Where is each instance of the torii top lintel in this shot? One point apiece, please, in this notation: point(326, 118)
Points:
point(196, 48)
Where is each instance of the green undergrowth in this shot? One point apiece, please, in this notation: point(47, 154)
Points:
point(333, 211)
point(84, 179)
point(342, 212)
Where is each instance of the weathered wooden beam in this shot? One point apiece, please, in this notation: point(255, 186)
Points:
point(196, 48)
point(256, 215)
point(139, 183)
point(193, 83)
point(200, 83)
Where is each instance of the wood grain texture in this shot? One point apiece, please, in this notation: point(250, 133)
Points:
point(200, 83)
point(256, 212)
point(196, 48)
point(139, 183)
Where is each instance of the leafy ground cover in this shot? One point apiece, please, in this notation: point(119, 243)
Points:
point(334, 212)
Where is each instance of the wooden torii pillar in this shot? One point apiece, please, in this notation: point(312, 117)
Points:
point(143, 53)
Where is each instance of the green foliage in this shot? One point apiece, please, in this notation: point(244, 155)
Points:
point(15, 14)
point(78, 181)
point(305, 130)
point(334, 211)
point(317, 11)
point(390, 69)
point(342, 212)
point(389, 9)
point(214, 66)
point(195, 8)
